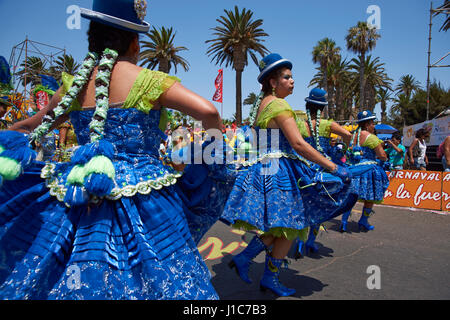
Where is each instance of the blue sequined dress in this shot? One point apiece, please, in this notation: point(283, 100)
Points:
point(370, 180)
point(275, 192)
point(333, 152)
point(134, 244)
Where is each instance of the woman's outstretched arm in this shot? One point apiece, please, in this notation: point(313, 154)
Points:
point(184, 100)
point(289, 127)
point(29, 124)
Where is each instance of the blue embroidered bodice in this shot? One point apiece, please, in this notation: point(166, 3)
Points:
point(136, 138)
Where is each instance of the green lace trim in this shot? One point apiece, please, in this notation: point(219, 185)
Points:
point(278, 232)
point(67, 81)
point(145, 187)
point(148, 87)
point(372, 141)
point(275, 108)
point(324, 128)
point(273, 155)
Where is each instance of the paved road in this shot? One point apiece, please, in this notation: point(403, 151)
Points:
point(409, 249)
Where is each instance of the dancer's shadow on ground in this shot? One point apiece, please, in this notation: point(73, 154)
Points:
point(322, 252)
point(230, 287)
point(352, 226)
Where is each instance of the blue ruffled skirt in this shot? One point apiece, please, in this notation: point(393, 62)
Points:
point(136, 247)
point(369, 181)
point(276, 200)
point(204, 190)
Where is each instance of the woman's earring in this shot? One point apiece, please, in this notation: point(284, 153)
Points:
point(273, 92)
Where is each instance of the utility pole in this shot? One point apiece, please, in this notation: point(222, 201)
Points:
point(429, 61)
point(436, 64)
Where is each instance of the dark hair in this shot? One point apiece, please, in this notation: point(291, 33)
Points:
point(266, 87)
point(101, 36)
point(312, 107)
point(420, 133)
point(397, 135)
point(363, 124)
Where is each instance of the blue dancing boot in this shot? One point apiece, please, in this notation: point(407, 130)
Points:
point(300, 249)
point(243, 260)
point(270, 278)
point(310, 246)
point(343, 226)
point(363, 223)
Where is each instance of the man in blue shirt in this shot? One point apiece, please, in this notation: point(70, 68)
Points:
point(396, 151)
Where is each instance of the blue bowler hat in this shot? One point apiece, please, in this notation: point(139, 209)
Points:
point(317, 96)
point(272, 62)
point(365, 116)
point(123, 14)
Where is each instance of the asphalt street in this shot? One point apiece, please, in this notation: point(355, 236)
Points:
point(406, 256)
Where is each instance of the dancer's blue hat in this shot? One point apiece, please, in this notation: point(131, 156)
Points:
point(365, 116)
point(272, 62)
point(123, 14)
point(317, 96)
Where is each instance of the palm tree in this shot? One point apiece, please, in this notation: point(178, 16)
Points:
point(236, 37)
point(401, 106)
point(375, 77)
point(337, 75)
point(160, 51)
point(324, 53)
point(408, 84)
point(340, 78)
point(360, 40)
point(64, 63)
point(383, 96)
point(445, 8)
point(251, 99)
point(32, 68)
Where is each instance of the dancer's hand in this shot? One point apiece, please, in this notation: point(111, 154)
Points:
point(343, 173)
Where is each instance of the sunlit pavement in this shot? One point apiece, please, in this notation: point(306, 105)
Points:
point(406, 256)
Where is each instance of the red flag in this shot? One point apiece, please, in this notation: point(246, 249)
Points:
point(42, 99)
point(219, 86)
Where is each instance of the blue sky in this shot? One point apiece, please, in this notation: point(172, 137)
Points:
point(294, 27)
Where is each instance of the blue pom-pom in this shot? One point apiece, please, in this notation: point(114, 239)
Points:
point(76, 196)
point(12, 140)
point(85, 153)
point(24, 155)
point(99, 184)
point(92, 157)
point(16, 154)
